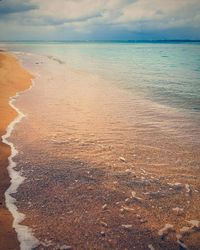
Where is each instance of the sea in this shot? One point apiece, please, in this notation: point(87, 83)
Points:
point(165, 72)
point(107, 147)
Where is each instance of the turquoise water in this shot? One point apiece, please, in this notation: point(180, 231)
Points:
point(168, 73)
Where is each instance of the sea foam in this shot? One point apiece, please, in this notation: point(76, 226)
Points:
point(25, 236)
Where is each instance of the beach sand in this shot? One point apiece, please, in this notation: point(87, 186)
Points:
point(104, 170)
point(110, 173)
point(13, 79)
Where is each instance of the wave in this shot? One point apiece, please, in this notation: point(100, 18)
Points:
point(24, 233)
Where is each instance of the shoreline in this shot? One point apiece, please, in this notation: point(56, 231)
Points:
point(24, 233)
point(10, 85)
point(118, 187)
point(123, 190)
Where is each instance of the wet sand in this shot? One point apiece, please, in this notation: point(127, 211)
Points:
point(13, 79)
point(105, 169)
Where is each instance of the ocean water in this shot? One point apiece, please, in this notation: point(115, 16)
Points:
point(108, 148)
point(168, 73)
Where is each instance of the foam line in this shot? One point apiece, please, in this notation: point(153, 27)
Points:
point(24, 234)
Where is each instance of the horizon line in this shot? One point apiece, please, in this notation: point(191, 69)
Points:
point(104, 40)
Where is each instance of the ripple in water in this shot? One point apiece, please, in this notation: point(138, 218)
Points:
point(104, 168)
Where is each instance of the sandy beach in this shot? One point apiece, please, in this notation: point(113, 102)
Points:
point(103, 170)
point(99, 125)
point(13, 79)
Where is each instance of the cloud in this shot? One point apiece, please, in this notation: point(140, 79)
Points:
point(62, 11)
point(16, 6)
point(155, 14)
point(125, 17)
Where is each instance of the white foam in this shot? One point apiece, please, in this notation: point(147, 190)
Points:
point(25, 236)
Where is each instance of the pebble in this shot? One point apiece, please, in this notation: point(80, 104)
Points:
point(126, 209)
point(104, 206)
point(103, 233)
point(103, 223)
point(183, 246)
point(144, 171)
point(129, 171)
point(65, 247)
point(178, 210)
point(188, 190)
point(143, 221)
point(133, 195)
point(194, 223)
point(165, 230)
point(70, 212)
point(151, 247)
point(122, 159)
point(177, 184)
point(128, 226)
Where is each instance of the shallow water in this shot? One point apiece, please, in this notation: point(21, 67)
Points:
point(168, 73)
point(105, 166)
point(87, 144)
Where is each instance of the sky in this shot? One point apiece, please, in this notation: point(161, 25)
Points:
point(99, 19)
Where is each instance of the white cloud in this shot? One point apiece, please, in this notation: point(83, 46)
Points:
point(159, 14)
